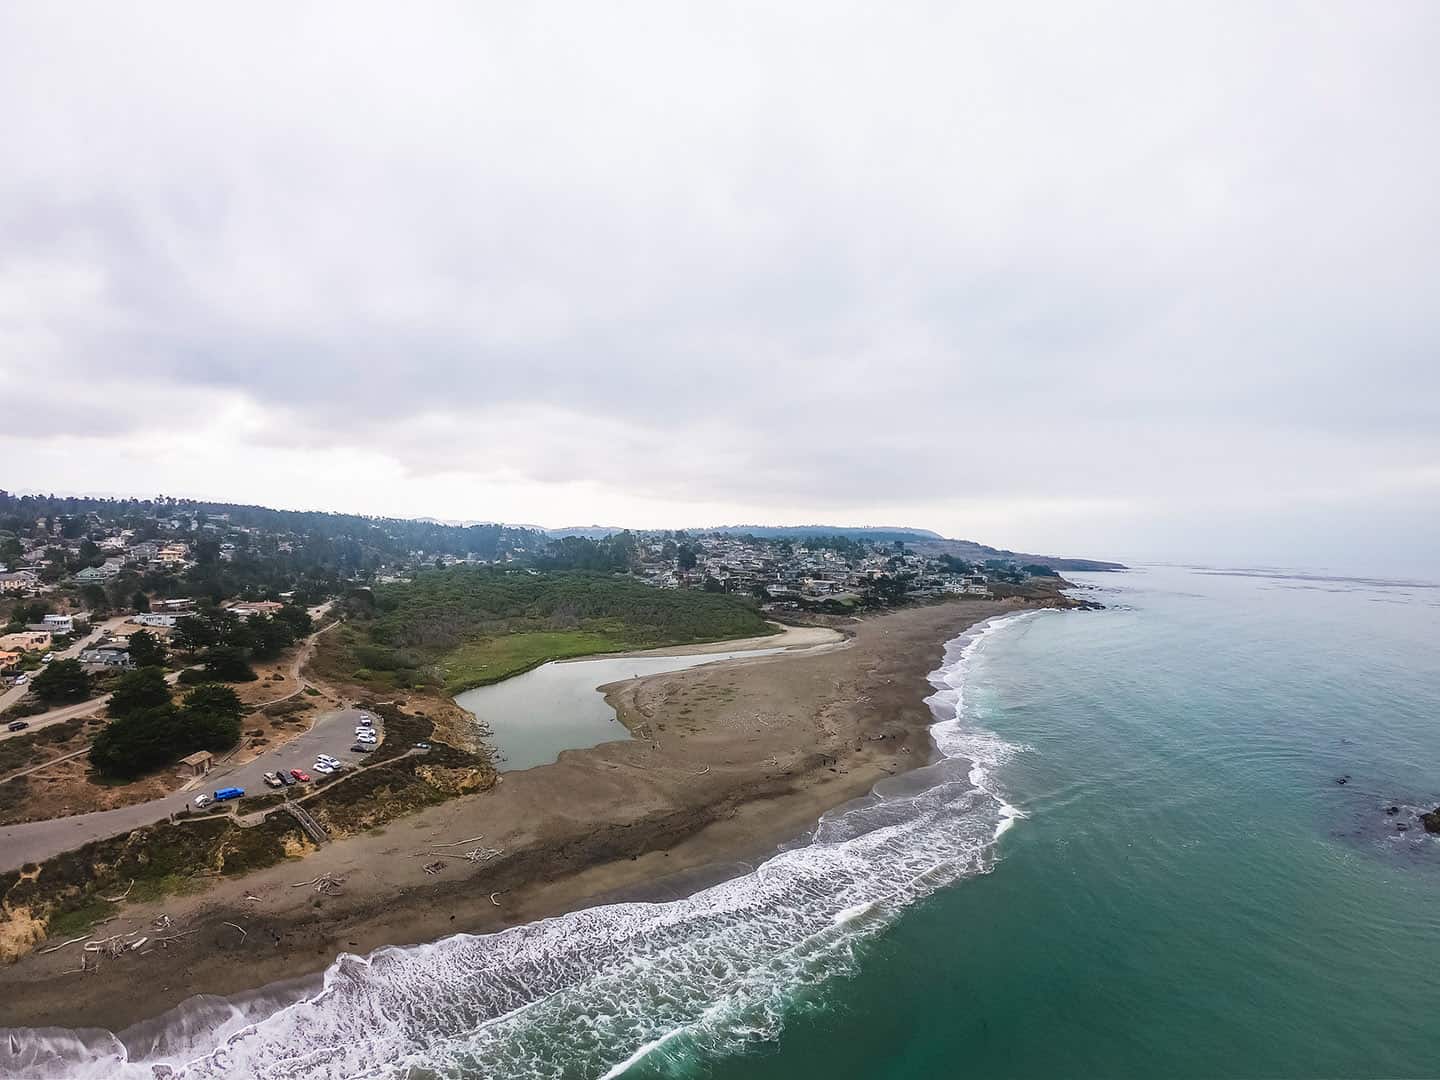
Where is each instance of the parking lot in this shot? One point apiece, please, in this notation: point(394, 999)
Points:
point(333, 734)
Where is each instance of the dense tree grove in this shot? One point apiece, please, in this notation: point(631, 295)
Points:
point(149, 733)
point(404, 626)
point(62, 681)
point(225, 643)
point(146, 650)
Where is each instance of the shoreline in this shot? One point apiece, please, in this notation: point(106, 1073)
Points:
point(730, 761)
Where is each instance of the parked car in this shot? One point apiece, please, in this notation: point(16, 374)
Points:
point(366, 737)
point(300, 775)
point(361, 748)
point(367, 719)
point(271, 780)
point(422, 746)
point(327, 759)
point(286, 778)
point(203, 800)
point(229, 793)
point(47, 658)
point(321, 767)
point(19, 725)
point(21, 680)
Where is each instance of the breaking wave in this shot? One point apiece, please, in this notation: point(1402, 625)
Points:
point(592, 993)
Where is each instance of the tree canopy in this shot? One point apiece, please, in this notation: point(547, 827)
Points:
point(61, 681)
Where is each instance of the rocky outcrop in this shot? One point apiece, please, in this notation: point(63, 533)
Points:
point(1431, 821)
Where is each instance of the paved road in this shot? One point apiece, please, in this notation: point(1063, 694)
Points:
point(333, 733)
point(15, 693)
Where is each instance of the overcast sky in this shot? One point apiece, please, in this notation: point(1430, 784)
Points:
point(1141, 280)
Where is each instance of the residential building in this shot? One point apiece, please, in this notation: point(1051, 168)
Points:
point(19, 581)
point(173, 554)
point(10, 658)
point(27, 641)
point(97, 575)
point(59, 624)
point(156, 619)
point(111, 654)
point(254, 607)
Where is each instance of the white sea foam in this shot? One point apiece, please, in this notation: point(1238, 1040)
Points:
point(590, 993)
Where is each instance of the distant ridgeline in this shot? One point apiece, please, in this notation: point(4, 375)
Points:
point(876, 535)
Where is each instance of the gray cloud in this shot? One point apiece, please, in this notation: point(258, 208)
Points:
point(918, 258)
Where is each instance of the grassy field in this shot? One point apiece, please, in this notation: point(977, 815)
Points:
point(479, 663)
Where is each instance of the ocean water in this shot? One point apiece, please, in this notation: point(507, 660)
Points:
point(1131, 858)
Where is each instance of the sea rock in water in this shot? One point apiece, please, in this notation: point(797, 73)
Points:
point(1392, 810)
point(1402, 827)
point(1342, 779)
point(1431, 821)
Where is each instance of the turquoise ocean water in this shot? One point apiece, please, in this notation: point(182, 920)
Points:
point(1132, 858)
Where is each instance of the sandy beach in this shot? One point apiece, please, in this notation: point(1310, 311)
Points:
point(728, 761)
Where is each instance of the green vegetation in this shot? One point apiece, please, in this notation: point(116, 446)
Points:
point(138, 691)
point(146, 650)
point(226, 643)
point(67, 891)
point(468, 626)
point(479, 663)
point(62, 681)
point(148, 731)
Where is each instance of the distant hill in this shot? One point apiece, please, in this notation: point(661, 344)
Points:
point(973, 552)
point(879, 534)
point(589, 532)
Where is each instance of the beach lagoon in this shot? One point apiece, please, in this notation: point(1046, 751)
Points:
point(533, 718)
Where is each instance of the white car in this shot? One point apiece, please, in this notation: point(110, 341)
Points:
point(322, 767)
point(21, 680)
point(366, 720)
point(202, 800)
point(368, 740)
point(326, 759)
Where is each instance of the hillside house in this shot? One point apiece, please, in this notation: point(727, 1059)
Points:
point(27, 641)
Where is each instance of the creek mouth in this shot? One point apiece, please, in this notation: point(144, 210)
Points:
point(534, 717)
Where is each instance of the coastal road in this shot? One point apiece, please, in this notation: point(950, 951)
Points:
point(332, 733)
point(15, 693)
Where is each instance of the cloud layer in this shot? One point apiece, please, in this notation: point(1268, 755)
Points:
point(1063, 278)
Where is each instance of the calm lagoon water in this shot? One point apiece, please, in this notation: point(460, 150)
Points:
point(1133, 859)
point(558, 706)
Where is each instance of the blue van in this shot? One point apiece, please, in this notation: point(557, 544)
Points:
point(229, 793)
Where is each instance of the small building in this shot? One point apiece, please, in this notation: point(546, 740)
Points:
point(19, 581)
point(113, 655)
point(173, 554)
point(59, 624)
point(254, 607)
point(155, 620)
point(27, 641)
point(97, 575)
point(10, 658)
point(198, 763)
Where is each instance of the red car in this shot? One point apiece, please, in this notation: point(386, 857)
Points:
point(300, 774)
